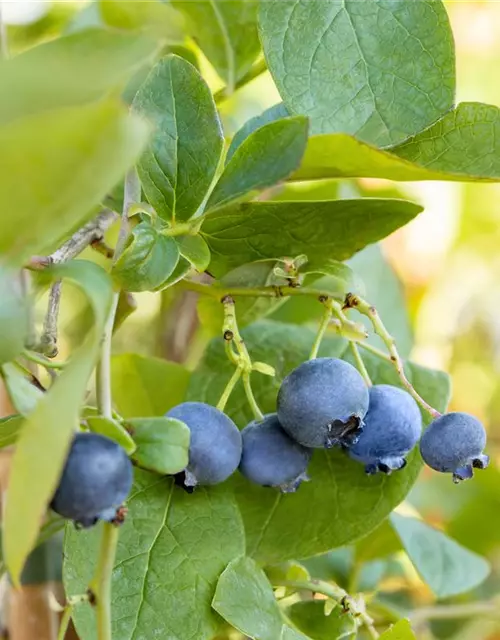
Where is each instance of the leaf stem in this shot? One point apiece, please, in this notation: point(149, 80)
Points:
point(221, 405)
point(323, 326)
point(65, 618)
point(337, 594)
point(101, 586)
point(241, 359)
point(376, 352)
point(44, 362)
point(359, 363)
point(368, 310)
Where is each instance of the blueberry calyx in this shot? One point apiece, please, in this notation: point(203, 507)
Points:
point(343, 433)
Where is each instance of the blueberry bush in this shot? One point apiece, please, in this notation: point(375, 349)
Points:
point(206, 498)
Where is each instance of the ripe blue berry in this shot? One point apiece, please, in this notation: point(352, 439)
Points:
point(271, 458)
point(454, 443)
point(96, 479)
point(322, 403)
point(392, 428)
point(215, 444)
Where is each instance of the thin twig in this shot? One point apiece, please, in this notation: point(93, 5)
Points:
point(365, 308)
point(93, 231)
point(376, 352)
point(456, 611)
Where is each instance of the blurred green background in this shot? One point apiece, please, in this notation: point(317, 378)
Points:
point(448, 263)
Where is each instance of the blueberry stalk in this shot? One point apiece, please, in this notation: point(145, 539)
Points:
point(101, 587)
point(241, 358)
point(221, 405)
point(365, 308)
point(325, 321)
point(359, 363)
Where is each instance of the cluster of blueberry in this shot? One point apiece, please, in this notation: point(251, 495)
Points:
point(323, 403)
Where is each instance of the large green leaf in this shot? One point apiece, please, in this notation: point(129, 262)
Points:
point(13, 315)
point(69, 71)
point(144, 386)
point(341, 503)
point(171, 551)
point(268, 155)
point(447, 567)
point(69, 158)
point(462, 146)
point(380, 70)
point(400, 631)
point(245, 599)
point(337, 229)
point(226, 32)
point(24, 393)
point(156, 18)
point(45, 437)
point(180, 162)
point(276, 112)
point(147, 261)
point(310, 618)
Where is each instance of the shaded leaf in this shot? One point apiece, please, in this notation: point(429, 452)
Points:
point(276, 112)
point(23, 393)
point(400, 631)
point(46, 435)
point(226, 32)
point(447, 567)
point(69, 158)
point(144, 386)
point(341, 503)
point(9, 429)
point(195, 250)
point(380, 543)
point(336, 229)
point(158, 19)
point(245, 599)
point(171, 551)
point(147, 261)
point(13, 315)
point(162, 444)
point(111, 429)
point(268, 155)
point(460, 147)
point(180, 162)
point(69, 71)
point(310, 618)
point(379, 70)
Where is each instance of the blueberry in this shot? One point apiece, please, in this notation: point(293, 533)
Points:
point(454, 443)
point(322, 403)
point(96, 479)
point(271, 458)
point(392, 428)
point(215, 445)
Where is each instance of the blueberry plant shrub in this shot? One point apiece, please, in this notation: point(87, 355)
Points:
point(192, 500)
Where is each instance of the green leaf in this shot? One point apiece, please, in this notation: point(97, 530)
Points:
point(13, 315)
point(380, 543)
point(23, 392)
point(158, 19)
point(171, 551)
point(226, 32)
point(180, 162)
point(310, 618)
point(341, 503)
point(400, 631)
point(195, 250)
point(381, 71)
point(268, 155)
point(162, 444)
point(69, 71)
point(336, 229)
point(254, 274)
point(447, 567)
point(46, 435)
point(146, 386)
point(9, 429)
point(459, 147)
point(69, 158)
point(111, 429)
point(276, 112)
point(148, 260)
point(245, 599)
